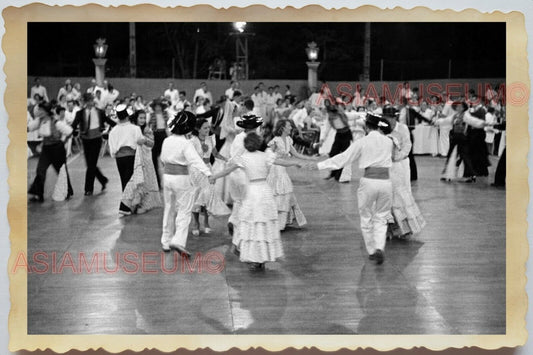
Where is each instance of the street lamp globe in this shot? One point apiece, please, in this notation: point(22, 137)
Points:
point(100, 48)
point(239, 26)
point(312, 51)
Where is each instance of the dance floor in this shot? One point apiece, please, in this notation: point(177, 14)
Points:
point(450, 279)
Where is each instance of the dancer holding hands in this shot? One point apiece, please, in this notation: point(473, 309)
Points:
point(374, 195)
point(256, 236)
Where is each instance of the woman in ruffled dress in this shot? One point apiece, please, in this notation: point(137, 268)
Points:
point(257, 236)
point(142, 191)
point(279, 180)
point(206, 200)
point(406, 218)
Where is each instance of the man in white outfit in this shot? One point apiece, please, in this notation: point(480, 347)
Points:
point(177, 154)
point(374, 196)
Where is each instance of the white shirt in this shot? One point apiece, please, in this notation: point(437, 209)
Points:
point(473, 121)
point(373, 150)
point(177, 149)
point(229, 93)
point(123, 135)
point(41, 90)
point(173, 94)
point(204, 94)
point(237, 146)
point(299, 116)
point(69, 116)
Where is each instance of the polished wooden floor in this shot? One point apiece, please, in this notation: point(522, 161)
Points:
point(450, 279)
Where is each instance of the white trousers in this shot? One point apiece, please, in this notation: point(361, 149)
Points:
point(375, 201)
point(179, 199)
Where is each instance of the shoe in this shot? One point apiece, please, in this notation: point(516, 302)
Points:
point(470, 179)
point(380, 257)
point(372, 256)
point(88, 193)
point(181, 250)
point(39, 199)
point(165, 248)
point(104, 184)
point(235, 250)
point(141, 211)
point(195, 232)
point(207, 230)
point(256, 266)
point(122, 213)
point(230, 228)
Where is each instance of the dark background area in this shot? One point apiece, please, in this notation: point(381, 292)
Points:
point(276, 50)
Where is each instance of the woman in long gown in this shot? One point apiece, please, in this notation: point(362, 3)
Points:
point(406, 216)
point(205, 201)
point(141, 194)
point(279, 180)
point(257, 236)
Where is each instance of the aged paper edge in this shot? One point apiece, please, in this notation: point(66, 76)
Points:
point(14, 45)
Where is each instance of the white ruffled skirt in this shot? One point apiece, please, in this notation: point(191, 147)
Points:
point(287, 206)
point(257, 234)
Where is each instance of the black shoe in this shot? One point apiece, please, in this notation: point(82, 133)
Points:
point(235, 250)
point(181, 250)
point(88, 193)
point(380, 257)
point(372, 256)
point(38, 199)
point(230, 229)
point(104, 184)
point(470, 180)
point(256, 266)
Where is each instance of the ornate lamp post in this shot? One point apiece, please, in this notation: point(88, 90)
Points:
point(312, 65)
point(100, 50)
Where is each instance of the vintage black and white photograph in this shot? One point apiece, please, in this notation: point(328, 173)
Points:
point(266, 178)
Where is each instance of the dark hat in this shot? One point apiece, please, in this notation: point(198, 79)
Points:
point(158, 102)
point(47, 106)
point(183, 123)
point(377, 120)
point(390, 111)
point(250, 121)
point(122, 112)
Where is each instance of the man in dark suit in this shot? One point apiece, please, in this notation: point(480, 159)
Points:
point(90, 121)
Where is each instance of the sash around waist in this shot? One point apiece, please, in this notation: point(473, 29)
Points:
point(125, 152)
point(175, 169)
point(376, 173)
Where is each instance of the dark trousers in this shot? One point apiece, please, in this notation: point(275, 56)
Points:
point(159, 137)
point(54, 155)
point(91, 150)
point(453, 143)
point(342, 141)
point(465, 152)
point(125, 167)
point(499, 177)
point(412, 162)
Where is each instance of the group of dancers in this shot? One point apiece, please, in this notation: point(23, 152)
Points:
point(248, 172)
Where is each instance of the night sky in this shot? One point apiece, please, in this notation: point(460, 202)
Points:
point(276, 50)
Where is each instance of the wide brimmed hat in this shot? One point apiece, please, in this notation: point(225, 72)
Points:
point(250, 121)
point(158, 102)
point(390, 111)
point(122, 112)
point(377, 120)
point(183, 123)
